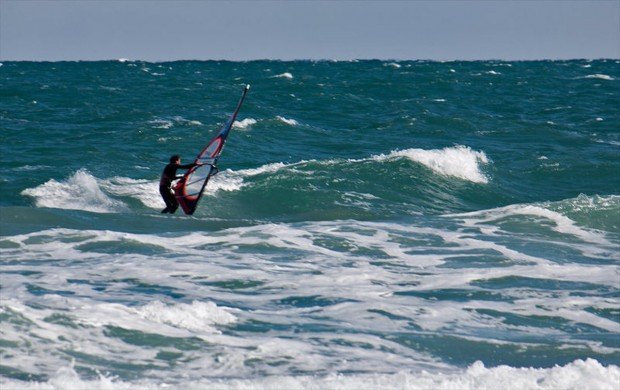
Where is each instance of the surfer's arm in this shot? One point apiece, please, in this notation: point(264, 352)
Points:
point(212, 163)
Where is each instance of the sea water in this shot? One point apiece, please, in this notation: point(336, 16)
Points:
point(375, 224)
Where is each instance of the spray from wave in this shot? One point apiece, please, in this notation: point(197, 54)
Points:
point(81, 191)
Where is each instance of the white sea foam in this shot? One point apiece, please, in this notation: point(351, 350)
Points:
point(290, 122)
point(458, 161)
point(562, 224)
point(146, 191)
point(369, 267)
point(580, 374)
point(166, 123)
point(244, 124)
point(31, 168)
point(599, 76)
point(81, 191)
point(161, 123)
point(267, 168)
point(233, 180)
point(183, 121)
point(227, 180)
point(555, 220)
point(285, 75)
point(197, 316)
point(394, 65)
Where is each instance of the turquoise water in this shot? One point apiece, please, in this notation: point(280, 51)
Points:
point(392, 224)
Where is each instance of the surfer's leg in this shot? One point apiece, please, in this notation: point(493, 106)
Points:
point(166, 196)
point(171, 202)
point(174, 204)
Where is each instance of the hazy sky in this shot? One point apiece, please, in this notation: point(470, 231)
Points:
point(242, 30)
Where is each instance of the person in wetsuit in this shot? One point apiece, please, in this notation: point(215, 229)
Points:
point(165, 183)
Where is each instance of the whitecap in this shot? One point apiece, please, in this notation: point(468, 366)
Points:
point(228, 180)
point(394, 65)
point(291, 122)
point(184, 121)
point(81, 191)
point(267, 168)
point(161, 123)
point(231, 180)
point(285, 75)
point(244, 124)
point(459, 161)
point(599, 76)
point(559, 222)
point(31, 168)
point(146, 191)
point(166, 123)
point(562, 224)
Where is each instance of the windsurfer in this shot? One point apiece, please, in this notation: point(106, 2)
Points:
point(165, 183)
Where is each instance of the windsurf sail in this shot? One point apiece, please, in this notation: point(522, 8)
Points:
point(189, 189)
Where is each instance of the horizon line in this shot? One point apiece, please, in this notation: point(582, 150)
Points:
point(490, 59)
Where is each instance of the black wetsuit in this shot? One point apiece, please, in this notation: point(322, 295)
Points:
point(165, 186)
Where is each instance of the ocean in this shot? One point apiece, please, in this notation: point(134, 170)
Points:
point(374, 225)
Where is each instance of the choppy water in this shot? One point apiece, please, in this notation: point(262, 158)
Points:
point(375, 224)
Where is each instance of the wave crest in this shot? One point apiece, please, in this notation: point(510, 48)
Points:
point(244, 124)
point(79, 192)
point(459, 161)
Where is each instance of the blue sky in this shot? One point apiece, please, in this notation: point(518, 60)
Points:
point(341, 30)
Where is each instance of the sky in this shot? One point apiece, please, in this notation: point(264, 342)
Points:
point(53, 30)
